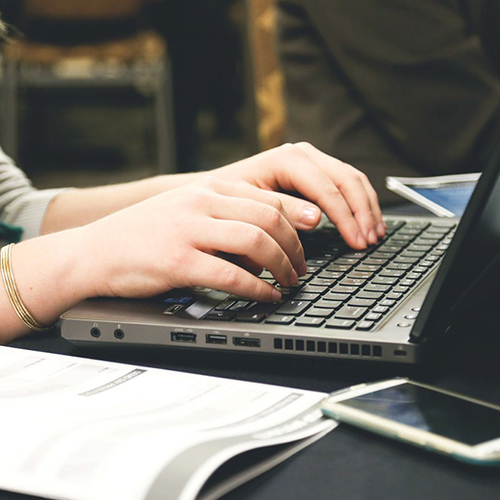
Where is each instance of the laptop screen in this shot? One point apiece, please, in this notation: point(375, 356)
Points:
point(471, 265)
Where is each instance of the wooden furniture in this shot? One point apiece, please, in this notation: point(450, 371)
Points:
point(135, 58)
point(265, 75)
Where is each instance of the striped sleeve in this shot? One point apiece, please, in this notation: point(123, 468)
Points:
point(20, 203)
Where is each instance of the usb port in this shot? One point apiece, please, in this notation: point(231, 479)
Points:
point(244, 342)
point(183, 337)
point(213, 338)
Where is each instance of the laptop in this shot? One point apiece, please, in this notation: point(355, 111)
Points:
point(393, 302)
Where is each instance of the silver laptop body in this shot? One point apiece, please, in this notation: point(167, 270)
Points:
point(417, 296)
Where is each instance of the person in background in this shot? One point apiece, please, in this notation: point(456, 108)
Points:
point(394, 87)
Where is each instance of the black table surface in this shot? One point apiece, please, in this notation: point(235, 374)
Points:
point(347, 463)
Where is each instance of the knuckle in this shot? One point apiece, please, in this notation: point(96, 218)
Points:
point(229, 277)
point(288, 148)
point(210, 182)
point(272, 217)
point(305, 145)
point(256, 237)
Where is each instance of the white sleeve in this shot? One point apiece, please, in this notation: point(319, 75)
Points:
point(20, 203)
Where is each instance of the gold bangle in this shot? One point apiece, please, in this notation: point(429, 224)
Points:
point(13, 293)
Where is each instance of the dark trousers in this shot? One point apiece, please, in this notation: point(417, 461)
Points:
point(395, 87)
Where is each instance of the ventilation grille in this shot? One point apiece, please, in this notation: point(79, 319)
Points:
point(324, 347)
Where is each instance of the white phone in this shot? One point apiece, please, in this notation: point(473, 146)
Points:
point(425, 416)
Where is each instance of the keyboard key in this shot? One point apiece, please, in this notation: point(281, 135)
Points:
point(389, 249)
point(364, 275)
point(368, 267)
point(330, 275)
point(250, 317)
point(373, 316)
point(383, 280)
point(387, 303)
point(413, 253)
point(322, 281)
point(278, 319)
point(294, 307)
point(344, 289)
point(317, 262)
point(262, 307)
point(369, 295)
point(224, 305)
point(348, 312)
point(239, 305)
point(376, 288)
point(328, 304)
point(343, 324)
point(406, 260)
point(356, 255)
point(307, 288)
point(391, 273)
point(346, 261)
point(365, 325)
point(306, 296)
point(407, 282)
point(319, 312)
point(219, 315)
point(398, 266)
point(310, 321)
point(361, 302)
point(337, 268)
point(342, 297)
point(352, 282)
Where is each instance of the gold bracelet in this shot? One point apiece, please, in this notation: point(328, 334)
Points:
point(13, 293)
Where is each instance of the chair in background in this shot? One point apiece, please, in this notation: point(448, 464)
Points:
point(265, 79)
point(88, 44)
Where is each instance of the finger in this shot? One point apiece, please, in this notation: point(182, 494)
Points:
point(352, 184)
point(242, 261)
point(253, 242)
point(245, 190)
point(377, 212)
point(304, 214)
point(266, 217)
point(296, 172)
point(213, 272)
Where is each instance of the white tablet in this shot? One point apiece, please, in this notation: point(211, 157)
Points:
point(445, 196)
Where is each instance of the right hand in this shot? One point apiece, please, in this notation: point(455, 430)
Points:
point(176, 239)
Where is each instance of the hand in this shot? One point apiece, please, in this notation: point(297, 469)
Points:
point(342, 192)
point(176, 240)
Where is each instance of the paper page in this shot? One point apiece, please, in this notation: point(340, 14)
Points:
point(77, 428)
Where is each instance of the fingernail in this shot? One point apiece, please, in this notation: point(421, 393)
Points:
point(361, 240)
point(294, 278)
point(275, 295)
point(381, 229)
point(309, 215)
point(372, 237)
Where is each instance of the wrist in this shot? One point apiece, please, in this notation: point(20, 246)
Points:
point(50, 274)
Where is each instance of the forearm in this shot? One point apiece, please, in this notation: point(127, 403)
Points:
point(77, 207)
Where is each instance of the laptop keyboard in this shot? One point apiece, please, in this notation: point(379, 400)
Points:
point(349, 289)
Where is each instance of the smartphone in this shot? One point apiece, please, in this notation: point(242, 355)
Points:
point(425, 416)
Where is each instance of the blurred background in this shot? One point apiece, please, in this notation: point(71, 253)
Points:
point(100, 91)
